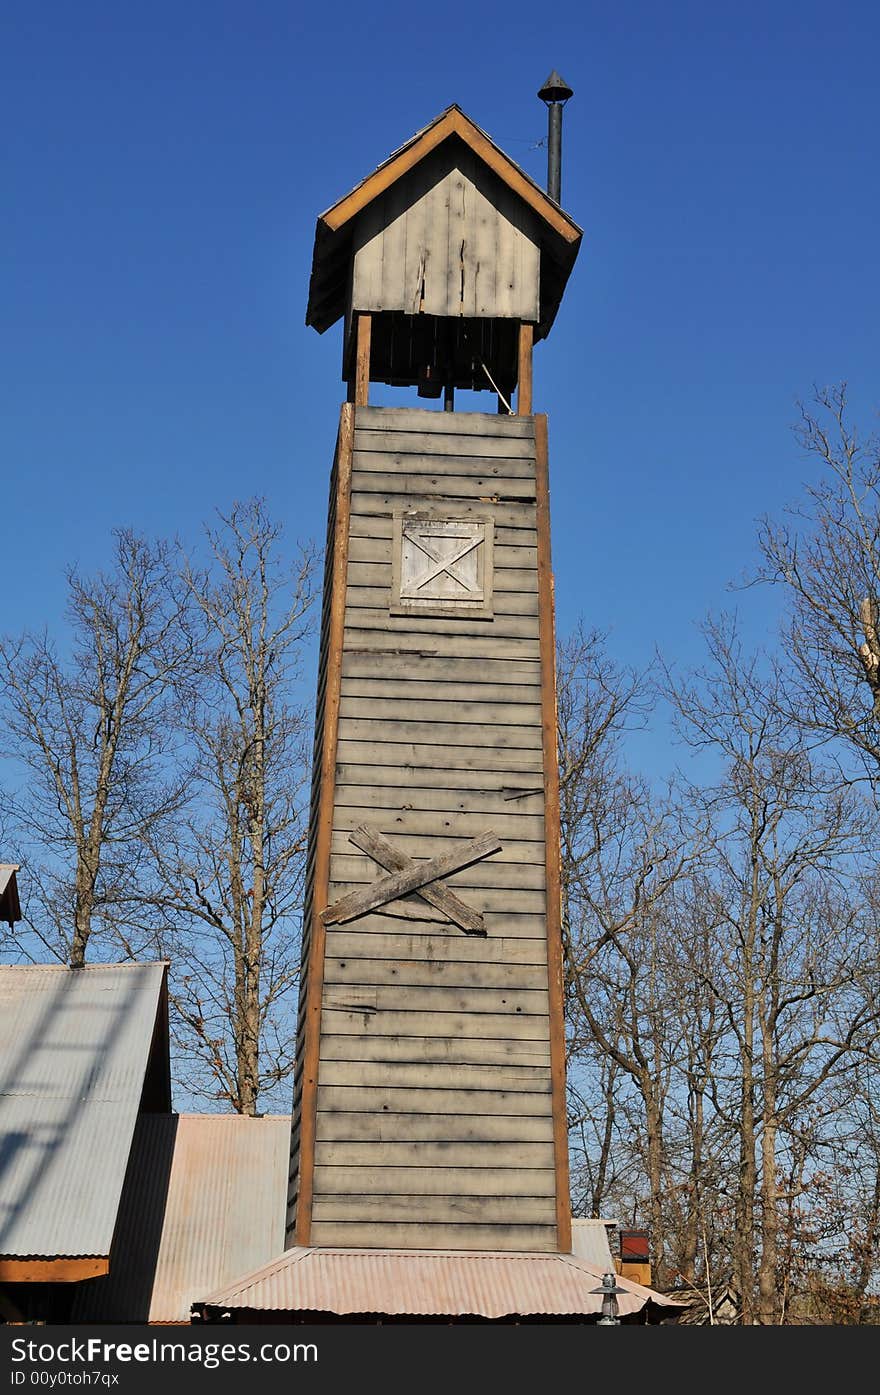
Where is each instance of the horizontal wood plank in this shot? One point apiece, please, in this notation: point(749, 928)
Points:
point(441, 423)
point(436, 1075)
point(500, 953)
point(505, 512)
point(451, 1210)
point(519, 788)
point(431, 998)
point(377, 598)
point(476, 1027)
point(433, 1181)
point(391, 710)
point(481, 1130)
point(518, 812)
point(367, 1234)
point(404, 640)
point(463, 1154)
point(396, 665)
point(454, 973)
point(434, 485)
point(411, 731)
point(499, 873)
point(449, 823)
point(474, 444)
point(496, 630)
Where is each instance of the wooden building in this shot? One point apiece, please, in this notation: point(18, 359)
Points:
point(429, 1105)
point(429, 1160)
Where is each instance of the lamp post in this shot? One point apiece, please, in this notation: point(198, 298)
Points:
point(609, 1292)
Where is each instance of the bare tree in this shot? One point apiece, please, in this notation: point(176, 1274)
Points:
point(795, 947)
point(622, 851)
point(229, 874)
point(827, 557)
point(92, 732)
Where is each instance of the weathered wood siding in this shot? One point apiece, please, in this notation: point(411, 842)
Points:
point(448, 239)
point(435, 1110)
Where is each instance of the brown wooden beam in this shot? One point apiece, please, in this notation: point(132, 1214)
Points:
point(324, 827)
point(362, 364)
point(552, 838)
point(63, 1270)
point(453, 121)
point(524, 370)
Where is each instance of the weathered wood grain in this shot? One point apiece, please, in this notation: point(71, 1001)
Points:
point(458, 973)
point(482, 1130)
point(482, 1027)
point(475, 445)
point(436, 1181)
point(437, 712)
point(422, 419)
point(424, 479)
point(439, 947)
point(447, 1237)
point(435, 1075)
point(431, 998)
point(373, 843)
point(430, 1210)
point(402, 822)
point(473, 1153)
point(398, 884)
point(410, 666)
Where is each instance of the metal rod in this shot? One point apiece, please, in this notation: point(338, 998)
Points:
point(554, 150)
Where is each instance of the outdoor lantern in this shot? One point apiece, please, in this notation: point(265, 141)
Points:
point(609, 1291)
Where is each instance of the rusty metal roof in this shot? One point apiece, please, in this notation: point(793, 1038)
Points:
point(75, 1046)
point(426, 1283)
point(204, 1201)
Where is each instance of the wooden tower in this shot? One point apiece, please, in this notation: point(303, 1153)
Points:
point(429, 1108)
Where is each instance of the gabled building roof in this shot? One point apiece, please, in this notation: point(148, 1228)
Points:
point(81, 1052)
point(560, 236)
point(204, 1201)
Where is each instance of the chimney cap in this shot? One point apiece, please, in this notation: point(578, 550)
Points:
point(555, 89)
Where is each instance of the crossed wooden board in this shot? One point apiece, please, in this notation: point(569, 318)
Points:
point(406, 876)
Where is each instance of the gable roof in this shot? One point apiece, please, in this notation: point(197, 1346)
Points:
point(560, 236)
point(79, 1048)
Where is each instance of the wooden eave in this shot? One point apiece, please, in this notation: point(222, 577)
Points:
point(560, 236)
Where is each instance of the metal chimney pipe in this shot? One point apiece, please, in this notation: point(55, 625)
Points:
point(555, 93)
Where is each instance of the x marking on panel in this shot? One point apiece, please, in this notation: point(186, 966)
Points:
point(408, 876)
point(442, 563)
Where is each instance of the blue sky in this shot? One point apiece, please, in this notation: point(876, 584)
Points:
point(162, 167)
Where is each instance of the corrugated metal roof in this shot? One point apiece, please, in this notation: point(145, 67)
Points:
point(589, 1241)
point(74, 1050)
point(204, 1201)
point(428, 1283)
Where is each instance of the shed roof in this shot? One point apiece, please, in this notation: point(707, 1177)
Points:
point(560, 236)
point(589, 1241)
point(204, 1201)
point(78, 1050)
point(427, 1283)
